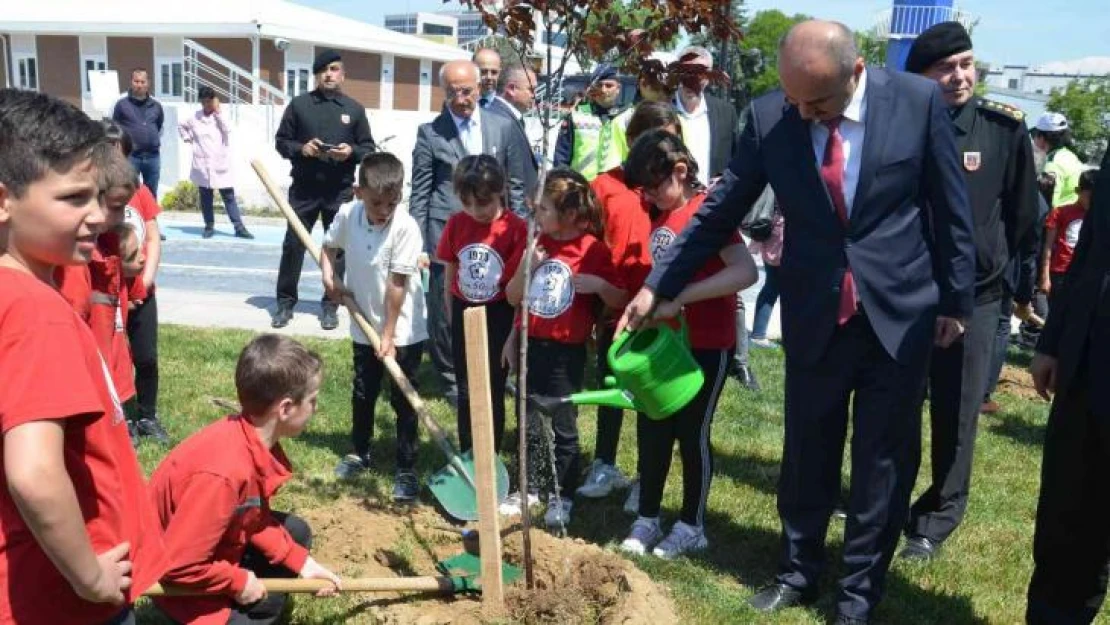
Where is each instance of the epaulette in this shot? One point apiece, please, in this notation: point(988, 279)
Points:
point(1005, 110)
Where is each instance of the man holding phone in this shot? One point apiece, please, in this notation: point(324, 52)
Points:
point(324, 134)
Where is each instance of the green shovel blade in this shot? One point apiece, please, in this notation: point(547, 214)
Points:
point(465, 571)
point(455, 493)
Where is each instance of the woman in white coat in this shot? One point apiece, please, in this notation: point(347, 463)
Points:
point(208, 132)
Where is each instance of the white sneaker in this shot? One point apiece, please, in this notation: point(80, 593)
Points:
point(557, 517)
point(683, 539)
point(511, 505)
point(602, 480)
point(645, 533)
point(632, 503)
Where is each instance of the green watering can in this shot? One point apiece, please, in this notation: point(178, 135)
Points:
point(653, 372)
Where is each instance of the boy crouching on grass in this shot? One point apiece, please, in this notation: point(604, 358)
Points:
point(382, 246)
point(213, 495)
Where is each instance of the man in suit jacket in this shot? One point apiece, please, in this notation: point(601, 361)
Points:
point(1071, 545)
point(878, 264)
point(517, 97)
point(460, 130)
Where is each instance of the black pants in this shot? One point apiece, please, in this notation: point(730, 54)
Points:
point(1057, 281)
point(1001, 344)
point(556, 370)
point(439, 329)
point(957, 383)
point(142, 332)
point(125, 617)
point(691, 428)
point(310, 203)
point(609, 419)
point(499, 322)
point(886, 449)
point(1071, 544)
point(369, 372)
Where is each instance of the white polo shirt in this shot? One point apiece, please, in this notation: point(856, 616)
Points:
point(372, 253)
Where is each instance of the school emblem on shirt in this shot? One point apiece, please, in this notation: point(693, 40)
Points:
point(1071, 235)
point(551, 291)
point(480, 269)
point(661, 239)
point(345, 118)
point(972, 160)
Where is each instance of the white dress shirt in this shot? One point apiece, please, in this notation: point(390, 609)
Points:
point(696, 134)
point(851, 133)
point(470, 130)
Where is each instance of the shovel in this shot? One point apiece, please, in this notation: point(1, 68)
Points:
point(445, 585)
point(453, 485)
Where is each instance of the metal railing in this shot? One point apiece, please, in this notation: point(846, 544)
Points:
point(906, 21)
point(233, 84)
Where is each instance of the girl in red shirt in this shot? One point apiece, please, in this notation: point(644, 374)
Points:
point(661, 165)
point(572, 275)
point(480, 248)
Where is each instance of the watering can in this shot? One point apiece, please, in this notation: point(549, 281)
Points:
point(653, 373)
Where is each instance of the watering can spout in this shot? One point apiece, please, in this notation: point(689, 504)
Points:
point(613, 397)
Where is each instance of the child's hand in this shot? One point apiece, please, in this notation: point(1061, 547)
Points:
point(587, 284)
point(387, 349)
point(313, 570)
point(253, 592)
point(423, 262)
point(336, 291)
point(114, 578)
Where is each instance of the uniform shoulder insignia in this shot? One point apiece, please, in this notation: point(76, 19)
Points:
point(1005, 110)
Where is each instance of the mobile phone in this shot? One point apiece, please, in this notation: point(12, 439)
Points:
point(324, 147)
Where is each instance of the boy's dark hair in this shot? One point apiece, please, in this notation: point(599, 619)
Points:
point(1087, 179)
point(653, 157)
point(115, 133)
point(39, 132)
point(649, 116)
point(272, 367)
point(382, 174)
point(113, 170)
point(569, 193)
point(479, 177)
point(205, 93)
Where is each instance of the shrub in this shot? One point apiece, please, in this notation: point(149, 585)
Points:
point(182, 198)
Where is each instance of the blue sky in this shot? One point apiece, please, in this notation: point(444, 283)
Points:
point(1009, 32)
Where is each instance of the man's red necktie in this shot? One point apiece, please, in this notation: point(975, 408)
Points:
point(832, 173)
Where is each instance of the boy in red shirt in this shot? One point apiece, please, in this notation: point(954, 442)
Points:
point(78, 531)
point(213, 494)
point(1061, 235)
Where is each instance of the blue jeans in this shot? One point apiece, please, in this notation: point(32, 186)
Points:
point(149, 167)
point(765, 301)
point(230, 206)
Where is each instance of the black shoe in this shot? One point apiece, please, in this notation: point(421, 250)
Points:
point(282, 316)
point(779, 597)
point(152, 428)
point(843, 619)
point(133, 434)
point(329, 317)
point(919, 548)
point(208, 232)
point(406, 486)
point(746, 377)
point(242, 233)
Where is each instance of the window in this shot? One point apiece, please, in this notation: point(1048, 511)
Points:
point(437, 29)
point(298, 79)
point(27, 73)
point(170, 78)
point(1013, 83)
point(91, 63)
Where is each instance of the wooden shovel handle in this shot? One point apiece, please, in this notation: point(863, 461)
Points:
point(300, 586)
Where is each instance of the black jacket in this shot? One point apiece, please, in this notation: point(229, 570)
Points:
point(142, 120)
point(331, 119)
point(722, 134)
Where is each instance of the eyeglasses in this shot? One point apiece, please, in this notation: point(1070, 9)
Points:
point(465, 92)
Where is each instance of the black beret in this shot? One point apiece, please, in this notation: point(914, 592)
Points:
point(325, 58)
point(937, 42)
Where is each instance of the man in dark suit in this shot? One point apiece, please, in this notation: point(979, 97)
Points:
point(878, 265)
point(1071, 545)
point(460, 130)
point(517, 96)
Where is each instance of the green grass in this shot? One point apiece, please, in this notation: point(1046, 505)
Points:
point(980, 577)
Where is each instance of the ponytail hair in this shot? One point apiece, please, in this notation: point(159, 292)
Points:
point(653, 157)
point(569, 193)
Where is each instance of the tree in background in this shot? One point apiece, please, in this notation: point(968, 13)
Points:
point(871, 47)
point(1086, 104)
point(736, 62)
point(761, 41)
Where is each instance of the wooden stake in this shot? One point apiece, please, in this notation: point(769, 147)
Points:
point(485, 476)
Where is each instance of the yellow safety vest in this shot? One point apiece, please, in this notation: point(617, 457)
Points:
point(1065, 166)
point(598, 145)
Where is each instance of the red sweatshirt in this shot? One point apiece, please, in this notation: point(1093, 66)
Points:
point(212, 494)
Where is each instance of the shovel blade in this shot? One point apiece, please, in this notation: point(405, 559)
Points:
point(455, 493)
point(467, 570)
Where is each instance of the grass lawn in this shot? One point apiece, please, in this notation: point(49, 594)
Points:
point(980, 577)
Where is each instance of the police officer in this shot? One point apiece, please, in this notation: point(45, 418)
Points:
point(997, 157)
point(324, 134)
point(591, 139)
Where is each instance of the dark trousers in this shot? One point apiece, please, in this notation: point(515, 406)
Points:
point(142, 332)
point(230, 205)
point(310, 203)
point(1057, 281)
point(1001, 344)
point(149, 167)
point(1071, 544)
point(556, 370)
point(125, 617)
point(499, 322)
point(439, 329)
point(369, 372)
point(609, 419)
point(886, 449)
point(690, 426)
point(957, 382)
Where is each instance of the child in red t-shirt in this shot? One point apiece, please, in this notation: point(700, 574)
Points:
point(1061, 235)
point(661, 165)
point(480, 248)
point(572, 275)
point(213, 494)
point(78, 535)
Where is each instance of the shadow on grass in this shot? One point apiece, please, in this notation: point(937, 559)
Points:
point(759, 473)
point(1017, 429)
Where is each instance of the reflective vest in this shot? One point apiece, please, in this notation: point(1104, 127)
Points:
point(1065, 166)
point(598, 145)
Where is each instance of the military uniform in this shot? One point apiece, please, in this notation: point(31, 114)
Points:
point(997, 158)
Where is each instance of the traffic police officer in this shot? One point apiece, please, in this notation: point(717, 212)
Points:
point(997, 157)
point(324, 134)
point(592, 138)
